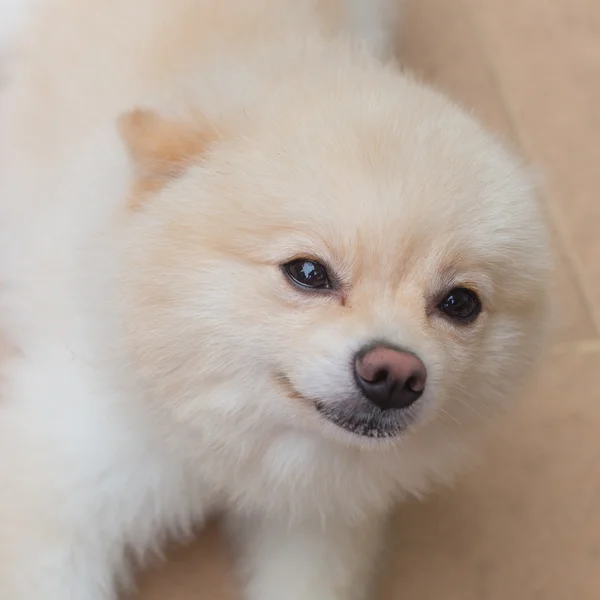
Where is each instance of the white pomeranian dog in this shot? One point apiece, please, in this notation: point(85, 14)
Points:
point(247, 267)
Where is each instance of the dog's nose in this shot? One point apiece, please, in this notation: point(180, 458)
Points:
point(390, 378)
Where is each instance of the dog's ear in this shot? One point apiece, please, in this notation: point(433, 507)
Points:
point(160, 149)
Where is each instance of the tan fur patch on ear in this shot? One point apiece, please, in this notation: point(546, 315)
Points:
point(160, 149)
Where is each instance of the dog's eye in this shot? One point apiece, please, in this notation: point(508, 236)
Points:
point(461, 304)
point(308, 273)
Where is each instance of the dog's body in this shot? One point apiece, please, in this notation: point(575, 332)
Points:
point(159, 367)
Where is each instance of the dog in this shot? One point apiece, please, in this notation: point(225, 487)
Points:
point(250, 268)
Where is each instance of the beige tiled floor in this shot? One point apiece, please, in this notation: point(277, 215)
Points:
point(526, 525)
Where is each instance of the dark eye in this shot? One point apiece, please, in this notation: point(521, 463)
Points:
point(461, 304)
point(308, 274)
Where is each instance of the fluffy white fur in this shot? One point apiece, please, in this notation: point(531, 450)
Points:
point(158, 367)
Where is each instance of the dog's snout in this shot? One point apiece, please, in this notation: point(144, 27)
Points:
point(390, 378)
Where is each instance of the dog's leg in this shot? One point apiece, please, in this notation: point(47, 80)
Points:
point(308, 560)
point(56, 541)
point(56, 566)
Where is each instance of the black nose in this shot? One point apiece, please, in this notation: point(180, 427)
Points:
point(390, 378)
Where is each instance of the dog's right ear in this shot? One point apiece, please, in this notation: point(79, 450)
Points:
point(160, 149)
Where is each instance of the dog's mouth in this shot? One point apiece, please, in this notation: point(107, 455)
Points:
point(355, 415)
point(363, 420)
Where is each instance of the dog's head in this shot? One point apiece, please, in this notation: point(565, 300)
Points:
point(356, 265)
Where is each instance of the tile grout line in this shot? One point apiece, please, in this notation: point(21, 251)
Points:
point(553, 212)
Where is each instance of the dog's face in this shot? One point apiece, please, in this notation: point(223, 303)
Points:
point(356, 274)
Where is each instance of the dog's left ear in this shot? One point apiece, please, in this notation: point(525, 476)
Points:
point(160, 148)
